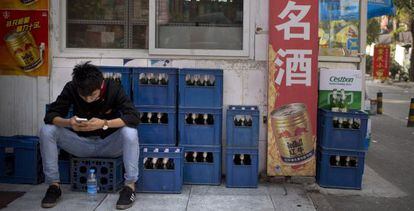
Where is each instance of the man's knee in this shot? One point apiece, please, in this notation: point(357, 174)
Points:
point(129, 135)
point(47, 131)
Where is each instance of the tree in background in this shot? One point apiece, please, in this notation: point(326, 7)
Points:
point(405, 13)
point(373, 30)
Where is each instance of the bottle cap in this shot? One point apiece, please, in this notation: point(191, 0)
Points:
point(92, 170)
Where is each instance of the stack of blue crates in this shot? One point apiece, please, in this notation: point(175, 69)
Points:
point(21, 162)
point(160, 169)
point(200, 107)
point(242, 154)
point(155, 97)
point(341, 148)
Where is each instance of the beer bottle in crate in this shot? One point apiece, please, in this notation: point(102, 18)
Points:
point(345, 123)
point(159, 163)
point(148, 163)
point(164, 80)
point(194, 118)
point(195, 156)
point(198, 81)
point(154, 118)
point(249, 121)
point(204, 157)
point(159, 115)
point(209, 82)
point(199, 157)
point(189, 80)
point(205, 117)
point(236, 121)
point(347, 160)
point(189, 156)
point(209, 157)
point(342, 103)
point(242, 121)
point(144, 117)
point(188, 118)
point(143, 78)
point(338, 160)
point(247, 159)
point(210, 119)
point(170, 163)
point(334, 101)
point(205, 80)
point(356, 124)
point(236, 159)
point(164, 163)
point(335, 121)
point(164, 118)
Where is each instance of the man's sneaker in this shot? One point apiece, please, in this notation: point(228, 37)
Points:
point(126, 198)
point(52, 196)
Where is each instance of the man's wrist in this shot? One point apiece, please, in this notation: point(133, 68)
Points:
point(105, 125)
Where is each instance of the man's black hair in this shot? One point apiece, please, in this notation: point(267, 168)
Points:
point(87, 78)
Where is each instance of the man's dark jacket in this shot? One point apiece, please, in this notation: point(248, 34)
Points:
point(113, 103)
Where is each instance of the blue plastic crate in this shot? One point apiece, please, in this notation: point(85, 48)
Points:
point(341, 138)
point(202, 173)
point(147, 94)
point(160, 180)
point(121, 74)
point(20, 160)
point(242, 133)
point(64, 171)
point(201, 96)
point(64, 166)
point(158, 133)
point(242, 174)
point(339, 173)
point(109, 173)
point(200, 134)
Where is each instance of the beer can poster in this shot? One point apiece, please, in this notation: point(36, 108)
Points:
point(24, 42)
point(292, 91)
point(25, 4)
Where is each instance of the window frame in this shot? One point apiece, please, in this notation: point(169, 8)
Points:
point(200, 52)
point(64, 51)
point(152, 52)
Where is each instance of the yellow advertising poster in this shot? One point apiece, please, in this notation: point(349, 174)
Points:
point(24, 33)
point(25, 4)
point(292, 87)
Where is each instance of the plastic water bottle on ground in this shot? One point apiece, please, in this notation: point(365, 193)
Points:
point(92, 186)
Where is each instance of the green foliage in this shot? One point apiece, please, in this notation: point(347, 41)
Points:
point(373, 30)
point(395, 68)
point(368, 65)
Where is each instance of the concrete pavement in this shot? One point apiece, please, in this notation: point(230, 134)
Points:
point(266, 197)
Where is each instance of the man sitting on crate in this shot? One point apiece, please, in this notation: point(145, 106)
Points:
point(109, 131)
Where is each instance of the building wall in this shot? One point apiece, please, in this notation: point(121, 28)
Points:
point(23, 99)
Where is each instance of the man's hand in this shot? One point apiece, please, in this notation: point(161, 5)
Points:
point(77, 126)
point(95, 124)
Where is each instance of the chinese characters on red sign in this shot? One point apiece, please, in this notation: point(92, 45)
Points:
point(381, 61)
point(292, 93)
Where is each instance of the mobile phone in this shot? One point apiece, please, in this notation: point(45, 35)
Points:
point(81, 119)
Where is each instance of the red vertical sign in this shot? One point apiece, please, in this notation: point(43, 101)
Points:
point(292, 91)
point(381, 61)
